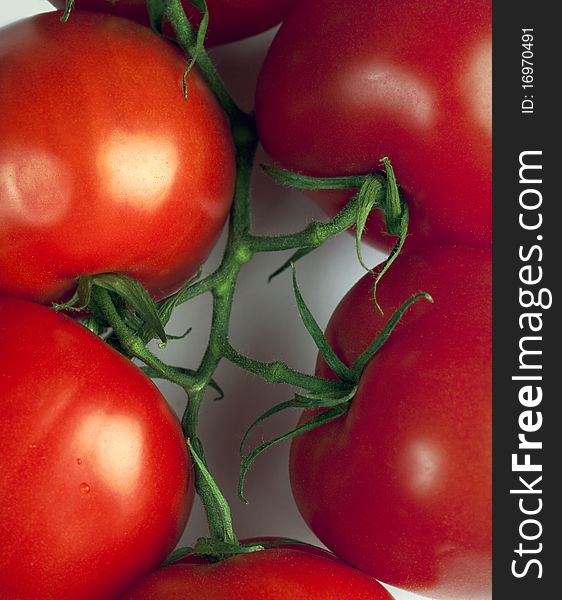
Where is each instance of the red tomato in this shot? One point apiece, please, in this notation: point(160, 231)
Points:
point(229, 20)
point(95, 480)
point(347, 82)
point(298, 573)
point(400, 487)
point(103, 164)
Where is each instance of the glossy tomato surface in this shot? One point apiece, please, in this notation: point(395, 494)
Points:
point(347, 82)
point(104, 166)
point(229, 20)
point(400, 486)
point(295, 572)
point(95, 480)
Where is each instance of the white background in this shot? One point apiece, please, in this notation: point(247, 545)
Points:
point(265, 324)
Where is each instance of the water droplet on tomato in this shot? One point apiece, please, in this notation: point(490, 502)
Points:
point(84, 488)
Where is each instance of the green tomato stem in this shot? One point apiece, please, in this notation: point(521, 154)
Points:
point(279, 372)
point(241, 245)
point(312, 236)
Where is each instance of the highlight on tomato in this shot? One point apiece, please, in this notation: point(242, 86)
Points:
point(296, 571)
point(347, 82)
point(229, 20)
point(95, 481)
point(400, 486)
point(104, 165)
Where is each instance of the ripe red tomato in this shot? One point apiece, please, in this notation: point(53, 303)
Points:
point(347, 82)
point(298, 573)
point(400, 487)
point(229, 20)
point(103, 164)
point(95, 480)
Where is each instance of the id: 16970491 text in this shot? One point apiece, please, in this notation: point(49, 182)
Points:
point(527, 71)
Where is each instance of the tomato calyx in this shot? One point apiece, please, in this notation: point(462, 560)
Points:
point(212, 550)
point(333, 402)
point(374, 191)
point(126, 291)
point(334, 398)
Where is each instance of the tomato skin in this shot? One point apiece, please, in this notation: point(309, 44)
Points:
point(299, 573)
point(229, 20)
point(95, 480)
point(351, 82)
point(104, 167)
point(400, 487)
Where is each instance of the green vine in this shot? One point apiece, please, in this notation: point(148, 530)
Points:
point(130, 319)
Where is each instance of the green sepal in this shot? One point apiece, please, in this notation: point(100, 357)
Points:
point(164, 308)
point(393, 202)
point(327, 399)
point(396, 216)
point(375, 191)
point(80, 300)
point(331, 358)
point(378, 343)
point(67, 10)
point(396, 249)
point(91, 323)
point(128, 292)
point(283, 541)
point(278, 543)
point(320, 419)
point(219, 550)
point(156, 10)
point(215, 550)
point(300, 253)
point(176, 555)
point(135, 295)
point(69, 305)
point(200, 5)
point(222, 508)
point(181, 336)
point(369, 197)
